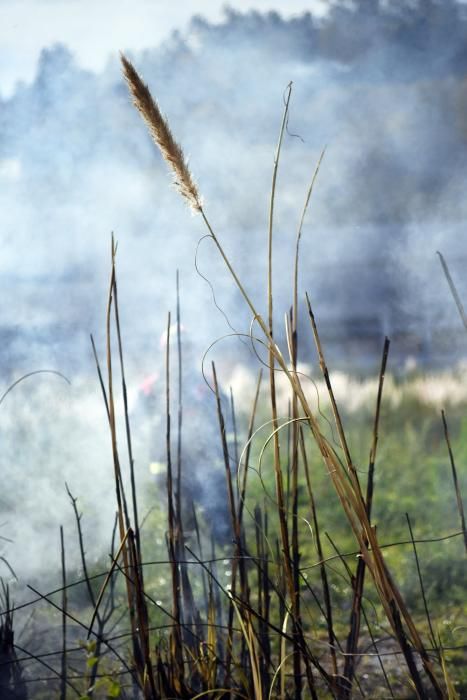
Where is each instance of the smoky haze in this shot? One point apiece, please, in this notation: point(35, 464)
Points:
point(381, 85)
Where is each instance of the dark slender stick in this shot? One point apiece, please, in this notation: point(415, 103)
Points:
point(131, 460)
point(102, 620)
point(235, 435)
point(101, 379)
point(225, 452)
point(81, 547)
point(148, 683)
point(422, 587)
point(124, 520)
point(335, 410)
point(323, 573)
point(460, 505)
point(122, 507)
point(359, 581)
point(109, 607)
point(108, 578)
point(266, 588)
point(187, 593)
point(407, 652)
point(180, 406)
point(241, 491)
point(453, 289)
point(248, 449)
point(200, 550)
point(262, 631)
point(176, 646)
point(375, 646)
point(351, 579)
point(233, 516)
point(292, 464)
point(63, 672)
point(288, 465)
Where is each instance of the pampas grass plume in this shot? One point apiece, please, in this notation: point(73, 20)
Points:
point(162, 135)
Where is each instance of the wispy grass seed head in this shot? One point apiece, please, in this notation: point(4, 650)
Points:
point(160, 131)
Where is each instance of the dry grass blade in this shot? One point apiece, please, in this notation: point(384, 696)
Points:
point(101, 380)
point(131, 460)
point(335, 410)
point(299, 236)
point(162, 135)
point(460, 505)
point(242, 488)
point(453, 289)
point(252, 644)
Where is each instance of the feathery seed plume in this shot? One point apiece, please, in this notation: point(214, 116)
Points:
point(160, 132)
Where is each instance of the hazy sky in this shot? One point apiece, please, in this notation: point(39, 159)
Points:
point(95, 28)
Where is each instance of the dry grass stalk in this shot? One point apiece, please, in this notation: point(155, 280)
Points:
point(236, 532)
point(327, 613)
point(453, 289)
point(359, 580)
point(460, 505)
point(63, 669)
point(289, 557)
point(162, 135)
point(172, 534)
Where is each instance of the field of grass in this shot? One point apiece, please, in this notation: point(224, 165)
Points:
point(328, 560)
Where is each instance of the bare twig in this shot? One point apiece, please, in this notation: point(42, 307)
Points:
point(460, 505)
